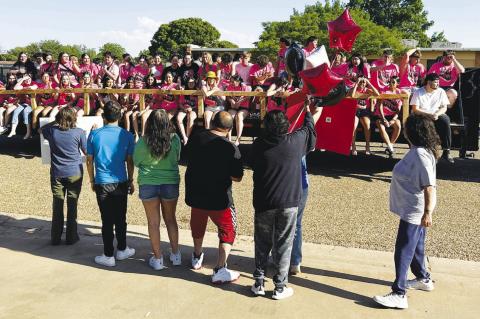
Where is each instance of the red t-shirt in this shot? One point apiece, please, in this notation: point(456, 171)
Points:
point(411, 75)
point(381, 78)
point(391, 107)
point(448, 73)
point(256, 71)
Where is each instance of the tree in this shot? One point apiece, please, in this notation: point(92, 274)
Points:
point(174, 36)
point(438, 37)
point(313, 22)
point(407, 16)
point(225, 44)
point(53, 47)
point(116, 49)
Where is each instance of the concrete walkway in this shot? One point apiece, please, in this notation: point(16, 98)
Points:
point(41, 281)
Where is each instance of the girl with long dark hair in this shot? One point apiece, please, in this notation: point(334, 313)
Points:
point(24, 105)
point(388, 112)
point(66, 67)
point(24, 65)
point(129, 102)
point(9, 104)
point(64, 98)
point(156, 155)
point(238, 106)
point(356, 68)
point(413, 199)
point(188, 108)
point(45, 101)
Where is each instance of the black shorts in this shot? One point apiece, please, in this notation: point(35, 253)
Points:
point(363, 113)
point(387, 117)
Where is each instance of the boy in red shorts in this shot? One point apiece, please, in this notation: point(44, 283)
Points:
point(212, 164)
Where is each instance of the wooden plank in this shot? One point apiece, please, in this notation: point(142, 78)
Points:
point(86, 104)
point(142, 102)
point(33, 100)
point(406, 109)
point(200, 107)
point(263, 107)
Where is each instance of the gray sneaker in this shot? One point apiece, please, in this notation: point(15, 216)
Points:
point(258, 289)
point(283, 293)
point(420, 284)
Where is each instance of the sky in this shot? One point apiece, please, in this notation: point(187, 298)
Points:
point(133, 24)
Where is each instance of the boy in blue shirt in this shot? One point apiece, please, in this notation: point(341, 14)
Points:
point(108, 149)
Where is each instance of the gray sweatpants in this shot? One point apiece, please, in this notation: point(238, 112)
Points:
point(274, 231)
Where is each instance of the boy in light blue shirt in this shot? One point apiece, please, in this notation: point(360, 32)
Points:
point(108, 150)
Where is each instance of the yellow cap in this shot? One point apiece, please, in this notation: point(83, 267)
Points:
point(211, 74)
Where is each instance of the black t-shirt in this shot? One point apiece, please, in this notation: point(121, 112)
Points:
point(276, 164)
point(188, 71)
point(211, 162)
point(175, 73)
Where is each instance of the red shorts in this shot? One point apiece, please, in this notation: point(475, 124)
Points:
point(225, 220)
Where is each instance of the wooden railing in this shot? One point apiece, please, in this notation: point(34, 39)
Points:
point(405, 97)
point(261, 95)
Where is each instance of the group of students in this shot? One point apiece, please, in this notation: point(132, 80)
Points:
point(279, 173)
point(277, 160)
point(209, 74)
point(384, 76)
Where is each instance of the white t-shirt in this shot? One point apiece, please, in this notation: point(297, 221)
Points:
point(410, 176)
point(429, 102)
point(244, 72)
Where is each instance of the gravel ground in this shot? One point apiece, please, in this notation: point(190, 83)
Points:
point(348, 201)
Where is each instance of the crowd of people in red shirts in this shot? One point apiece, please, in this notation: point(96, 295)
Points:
point(212, 73)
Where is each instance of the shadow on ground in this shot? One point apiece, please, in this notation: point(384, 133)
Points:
point(31, 236)
point(362, 167)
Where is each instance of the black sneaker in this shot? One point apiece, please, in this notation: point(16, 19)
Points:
point(446, 156)
point(389, 152)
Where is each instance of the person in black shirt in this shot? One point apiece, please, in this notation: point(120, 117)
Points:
point(23, 66)
point(188, 70)
point(212, 164)
point(277, 189)
point(173, 68)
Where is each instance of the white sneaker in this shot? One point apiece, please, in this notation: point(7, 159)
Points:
point(3, 129)
point(176, 259)
point(156, 263)
point(420, 284)
point(258, 290)
point(282, 294)
point(105, 261)
point(197, 262)
point(126, 253)
point(392, 300)
point(224, 275)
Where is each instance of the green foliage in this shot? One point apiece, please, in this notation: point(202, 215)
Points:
point(143, 52)
point(407, 16)
point(116, 49)
point(438, 37)
point(52, 46)
point(225, 44)
point(174, 36)
point(313, 22)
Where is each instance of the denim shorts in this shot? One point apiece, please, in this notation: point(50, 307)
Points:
point(165, 192)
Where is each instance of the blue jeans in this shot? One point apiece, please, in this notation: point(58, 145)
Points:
point(22, 108)
point(409, 253)
point(163, 192)
point(296, 259)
